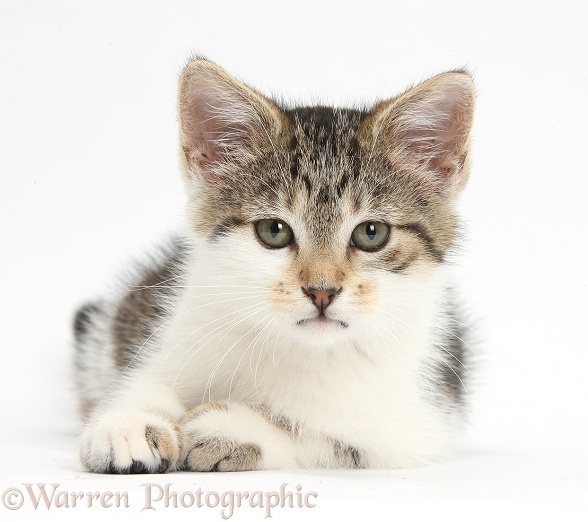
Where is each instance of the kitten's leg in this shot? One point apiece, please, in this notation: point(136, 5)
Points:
point(240, 436)
point(139, 433)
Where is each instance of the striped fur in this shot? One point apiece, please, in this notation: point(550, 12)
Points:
point(217, 350)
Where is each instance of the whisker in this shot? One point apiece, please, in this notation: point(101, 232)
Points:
point(155, 285)
point(211, 378)
point(198, 286)
point(407, 324)
point(251, 344)
point(419, 372)
point(204, 326)
point(449, 332)
point(264, 344)
point(210, 303)
point(195, 352)
point(226, 326)
point(441, 359)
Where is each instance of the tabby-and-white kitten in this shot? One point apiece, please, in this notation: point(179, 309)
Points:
point(304, 319)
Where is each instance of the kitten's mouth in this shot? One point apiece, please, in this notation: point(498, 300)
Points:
point(321, 320)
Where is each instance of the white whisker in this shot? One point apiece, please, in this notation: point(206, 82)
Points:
point(173, 318)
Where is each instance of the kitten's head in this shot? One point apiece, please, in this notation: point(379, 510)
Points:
point(327, 223)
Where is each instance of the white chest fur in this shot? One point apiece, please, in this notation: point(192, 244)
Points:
point(372, 392)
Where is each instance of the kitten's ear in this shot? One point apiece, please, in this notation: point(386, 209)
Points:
point(223, 122)
point(427, 128)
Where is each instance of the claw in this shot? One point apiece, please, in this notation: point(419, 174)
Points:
point(137, 467)
point(163, 466)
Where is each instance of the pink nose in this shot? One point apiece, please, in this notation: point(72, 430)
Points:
point(321, 298)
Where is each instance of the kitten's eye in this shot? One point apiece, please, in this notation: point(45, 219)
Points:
point(274, 233)
point(370, 236)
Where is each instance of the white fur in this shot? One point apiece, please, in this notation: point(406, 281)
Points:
point(366, 385)
point(242, 331)
point(243, 425)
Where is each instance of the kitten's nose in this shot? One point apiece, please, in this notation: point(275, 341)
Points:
point(321, 298)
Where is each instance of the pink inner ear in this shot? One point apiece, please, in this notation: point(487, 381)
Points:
point(434, 129)
point(433, 148)
point(214, 138)
point(210, 135)
point(201, 138)
point(216, 128)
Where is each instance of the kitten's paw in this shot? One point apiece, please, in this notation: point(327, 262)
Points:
point(220, 454)
point(209, 445)
point(131, 442)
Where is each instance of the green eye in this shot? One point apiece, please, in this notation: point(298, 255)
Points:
point(370, 236)
point(274, 233)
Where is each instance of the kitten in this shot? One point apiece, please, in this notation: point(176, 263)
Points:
point(304, 319)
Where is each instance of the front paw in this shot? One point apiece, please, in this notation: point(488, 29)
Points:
point(122, 441)
point(210, 444)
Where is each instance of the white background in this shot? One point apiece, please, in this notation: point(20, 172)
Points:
point(90, 178)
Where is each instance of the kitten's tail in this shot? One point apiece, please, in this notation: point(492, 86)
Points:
point(84, 320)
point(92, 357)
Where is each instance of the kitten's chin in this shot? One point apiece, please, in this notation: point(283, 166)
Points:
point(321, 331)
